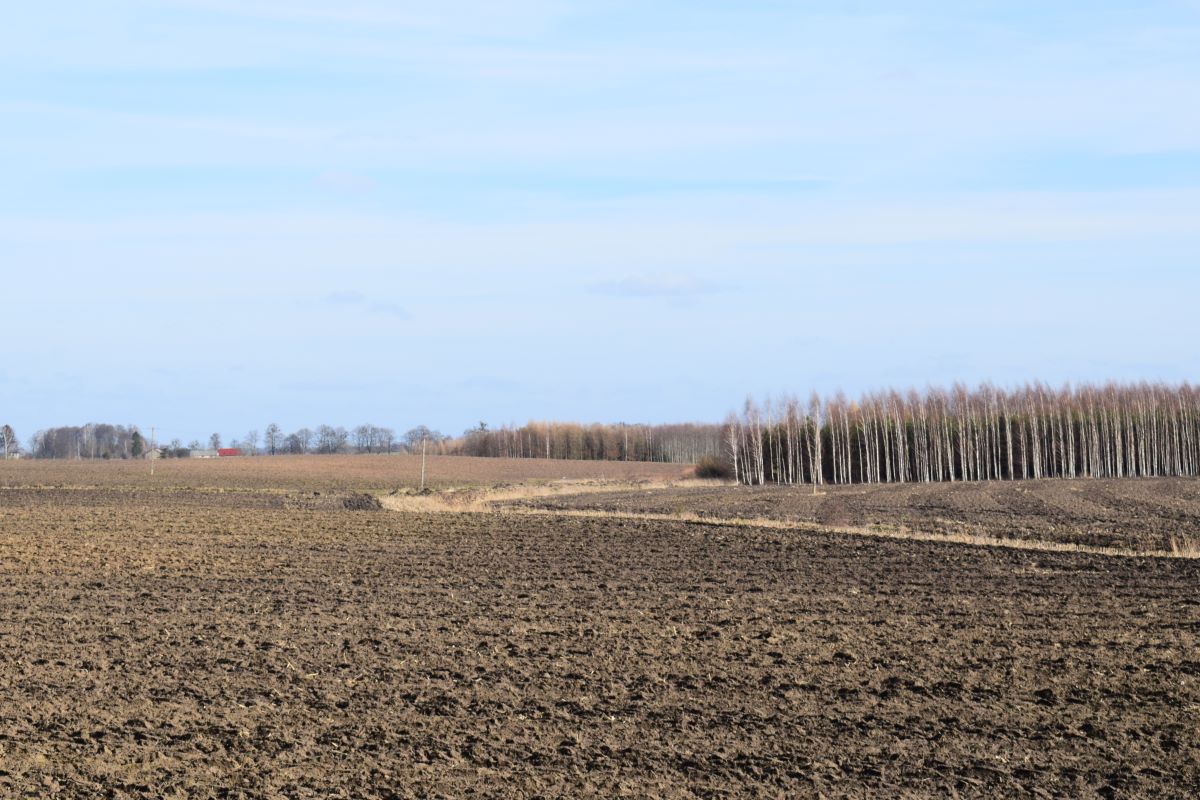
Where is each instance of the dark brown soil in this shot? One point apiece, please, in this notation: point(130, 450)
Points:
point(1145, 515)
point(205, 645)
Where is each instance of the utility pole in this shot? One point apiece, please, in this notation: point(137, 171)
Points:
point(423, 441)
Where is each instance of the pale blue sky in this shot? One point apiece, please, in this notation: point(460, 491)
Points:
point(221, 213)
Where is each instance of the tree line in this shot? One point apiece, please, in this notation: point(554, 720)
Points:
point(323, 439)
point(957, 434)
point(1103, 431)
point(682, 443)
point(93, 440)
point(105, 441)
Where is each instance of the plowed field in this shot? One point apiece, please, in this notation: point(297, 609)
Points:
point(1146, 514)
point(328, 473)
point(163, 641)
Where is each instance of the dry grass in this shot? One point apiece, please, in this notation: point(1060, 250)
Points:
point(503, 498)
point(1184, 547)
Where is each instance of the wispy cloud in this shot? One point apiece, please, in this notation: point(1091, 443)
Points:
point(346, 182)
point(358, 301)
point(388, 309)
point(672, 286)
point(459, 15)
point(346, 298)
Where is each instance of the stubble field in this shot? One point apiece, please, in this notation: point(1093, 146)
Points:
point(257, 629)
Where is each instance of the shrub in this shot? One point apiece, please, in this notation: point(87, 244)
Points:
point(713, 467)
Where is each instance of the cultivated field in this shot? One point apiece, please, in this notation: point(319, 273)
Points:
point(277, 628)
point(1143, 515)
point(329, 473)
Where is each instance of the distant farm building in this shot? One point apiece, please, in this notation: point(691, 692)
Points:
point(203, 453)
point(224, 452)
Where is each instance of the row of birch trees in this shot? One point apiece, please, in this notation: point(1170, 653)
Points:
point(960, 434)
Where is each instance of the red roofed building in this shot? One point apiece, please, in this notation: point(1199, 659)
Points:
point(229, 451)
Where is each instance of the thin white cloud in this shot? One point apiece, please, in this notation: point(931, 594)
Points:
point(362, 302)
point(388, 309)
point(346, 182)
point(673, 286)
point(345, 298)
point(456, 16)
point(670, 231)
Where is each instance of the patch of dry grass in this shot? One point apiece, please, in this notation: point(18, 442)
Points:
point(504, 497)
point(1184, 547)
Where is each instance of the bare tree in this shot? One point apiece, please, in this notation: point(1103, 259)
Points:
point(304, 438)
point(214, 441)
point(9, 441)
point(364, 438)
point(415, 436)
point(272, 439)
point(331, 440)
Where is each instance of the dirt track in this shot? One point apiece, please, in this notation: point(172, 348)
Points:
point(222, 645)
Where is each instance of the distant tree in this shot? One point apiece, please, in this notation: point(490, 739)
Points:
point(194, 444)
point(415, 436)
point(88, 441)
point(214, 441)
point(304, 438)
point(9, 440)
point(373, 439)
point(250, 443)
point(137, 445)
point(364, 438)
point(331, 440)
point(478, 442)
point(273, 438)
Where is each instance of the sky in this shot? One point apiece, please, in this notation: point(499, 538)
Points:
point(217, 214)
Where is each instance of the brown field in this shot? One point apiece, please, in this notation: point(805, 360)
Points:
point(1143, 514)
point(259, 629)
point(329, 473)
